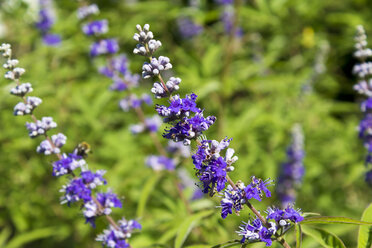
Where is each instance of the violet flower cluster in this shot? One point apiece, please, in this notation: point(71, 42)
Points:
point(188, 28)
point(83, 184)
point(117, 69)
point(45, 22)
point(227, 17)
point(213, 160)
point(276, 220)
point(293, 170)
point(363, 70)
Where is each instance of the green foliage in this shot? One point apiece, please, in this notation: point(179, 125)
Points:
point(256, 100)
point(365, 232)
point(323, 237)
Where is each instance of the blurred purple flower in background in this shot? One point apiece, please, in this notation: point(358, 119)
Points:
point(45, 22)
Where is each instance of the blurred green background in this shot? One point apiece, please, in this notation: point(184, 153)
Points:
point(256, 101)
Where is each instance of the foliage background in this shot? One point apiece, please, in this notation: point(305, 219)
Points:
point(256, 103)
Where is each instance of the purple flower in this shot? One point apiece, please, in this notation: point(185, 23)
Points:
point(276, 220)
point(67, 164)
point(26, 108)
point(253, 231)
point(45, 22)
point(76, 190)
point(92, 180)
point(283, 216)
point(188, 28)
point(96, 27)
point(158, 163)
point(21, 90)
point(257, 188)
point(52, 39)
point(170, 86)
point(46, 19)
point(292, 171)
point(156, 66)
point(151, 124)
point(232, 200)
point(227, 19)
point(107, 46)
point(117, 238)
point(178, 108)
point(47, 148)
point(210, 166)
point(40, 127)
point(86, 11)
point(224, 2)
point(147, 45)
point(129, 102)
point(107, 201)
point(368, 178)
point(189, 128)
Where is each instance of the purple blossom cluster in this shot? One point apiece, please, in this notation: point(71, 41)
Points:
point(235, 198)
point(117, 236)
point(211, 167)
point(81, 188)
point(187, 123)
point(158, 163)
point(363, 71)
point(276, 220)
point(184, 127)
point(117, 69)
point(227, 17)
point(293, 170)
point(151, 124)
point(188, 28)
point(45, 22)
point(132, 101)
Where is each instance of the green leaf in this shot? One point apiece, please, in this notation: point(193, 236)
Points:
point(365, 232)
point(188, 225)
point(298, 235)
point(24, 238)
point(323, 237)
point(333, 220)
point(4, 235)
point(149, 186)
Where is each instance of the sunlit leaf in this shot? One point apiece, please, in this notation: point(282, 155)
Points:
point(323, 237)
point(187, 225)
point(365, 232)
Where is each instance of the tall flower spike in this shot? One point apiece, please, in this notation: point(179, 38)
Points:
point(293, 170)
point(146, 44)
point(363, 70)
point(211, 167)
point(80, 188)
point(45, 23)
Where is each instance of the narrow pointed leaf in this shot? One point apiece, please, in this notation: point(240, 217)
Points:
point(188, 224)
point(25, 238)
point(333, 220)
point(149, 186)
point(298, 235)
point(323, 237)
point(365, 232)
